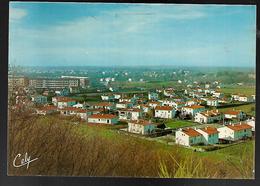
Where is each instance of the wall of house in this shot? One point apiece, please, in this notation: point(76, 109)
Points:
point(181, 138)
point(164, 114)
point(100, 120)
point(226, 133)
point(242, 133)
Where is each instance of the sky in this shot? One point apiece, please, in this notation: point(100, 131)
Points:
point(99, 34)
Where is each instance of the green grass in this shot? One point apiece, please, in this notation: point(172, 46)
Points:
point(239, 89)
point(249, 109)
point(233, 155)
point(148, 85)
point(179, 123)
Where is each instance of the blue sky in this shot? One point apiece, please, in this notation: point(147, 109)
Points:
point(63, 34)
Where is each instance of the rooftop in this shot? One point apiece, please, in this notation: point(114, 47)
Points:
point(105, 116)
point(191, 132)
point(238, 127)
point(163, 108)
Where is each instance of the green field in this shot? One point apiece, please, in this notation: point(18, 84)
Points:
point(148, 85)
point(97, 146)
point(239, 156)
point(179, 123)
point(249, 109)
point(247, 90)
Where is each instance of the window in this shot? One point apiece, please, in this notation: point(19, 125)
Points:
point(108, 121)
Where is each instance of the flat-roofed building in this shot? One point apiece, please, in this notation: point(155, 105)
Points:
point(54, 83)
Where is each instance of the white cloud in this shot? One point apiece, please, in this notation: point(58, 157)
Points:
point(16, 13)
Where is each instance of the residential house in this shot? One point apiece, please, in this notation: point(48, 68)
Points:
point(166, 112)
point(244, 98)
point(154, 104)
point(210, 135)
point(70, 111)
point(212, 102)
point(218, 94)
point(233, 114)
point(192, 110)
point(39, 99)
point(94, 111)
point(144, 107)
point(192, 102)
point(124, 104)
point(209, 116)
point(129, 114)
point(235, 132)
point(103, 119)
point(251, 122)
point(235, 97)
point(108, 97)
point(62, 102)
point(63, 92)
point(104, 105)
point(169, 92)
point(49, 109)
point(141, 127)
point(188, 137)
point(153, 96)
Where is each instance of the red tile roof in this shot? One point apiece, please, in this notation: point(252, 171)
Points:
point(191, 132)
point(163, 108)
point(194, 106)
point(211, 113)
point(105, 116)
point(238, 127)
point(232, 112)
point(103, 104)
point(154, 102)
point(210, 130)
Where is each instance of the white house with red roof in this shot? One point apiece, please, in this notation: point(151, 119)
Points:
point(209, 116)
point(188, 137)
point(234, 114)
point(141, 127)
point(104, 105)
point(235, 131)
point(108, 97)
point(144, 107)
point(70, 111)
point(154, 104)
point(210, 135)
point(212, 102)
point(153, 96)
point(244, 98)
point(62, 102)
point(124, 104)
point(49, 109)
point(218, 94)
point(193, 109)
point(103, 119)
point(129, 114)
point(166, 112)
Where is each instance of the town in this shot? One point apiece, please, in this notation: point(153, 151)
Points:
point(201, 114)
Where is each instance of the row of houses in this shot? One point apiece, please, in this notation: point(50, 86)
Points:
point(212, 135)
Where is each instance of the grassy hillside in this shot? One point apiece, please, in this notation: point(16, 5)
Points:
point(72, 148)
